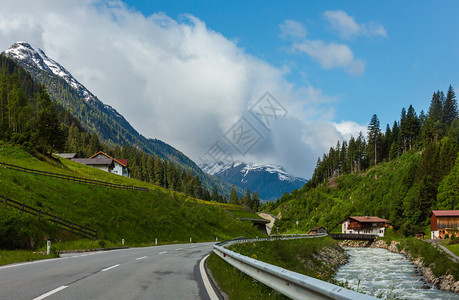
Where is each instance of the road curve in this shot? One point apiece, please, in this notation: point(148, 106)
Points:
point(160, 272)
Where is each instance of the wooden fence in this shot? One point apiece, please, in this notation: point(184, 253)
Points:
point(75, 179)
point(68, 225)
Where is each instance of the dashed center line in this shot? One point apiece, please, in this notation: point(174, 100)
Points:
point(179, 249)
point(106, 269)
point(162, 252)
point(139, 258)
point(193, 247)
point(50, 293)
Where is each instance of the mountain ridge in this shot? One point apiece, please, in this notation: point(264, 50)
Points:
point(270, 181)
point(95, 116)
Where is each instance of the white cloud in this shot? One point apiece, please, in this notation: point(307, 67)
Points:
point(349, 128)
point(332, 55)
point(292, 29)
point(347, 27)
point(178, 80)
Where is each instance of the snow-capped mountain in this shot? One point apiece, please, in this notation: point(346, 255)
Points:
point(95, 116)
point(31, 58)
point(270, 181)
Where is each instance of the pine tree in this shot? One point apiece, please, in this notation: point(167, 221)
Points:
point(247, 198)
point(234, 198)
point(255, 201)
point(450, 111)
point(214, 196)
point(374, 133)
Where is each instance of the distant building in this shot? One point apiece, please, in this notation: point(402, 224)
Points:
point(364, 225)
point(317, 230)
point(444, 222)
point(105, 162)
point(66, 155)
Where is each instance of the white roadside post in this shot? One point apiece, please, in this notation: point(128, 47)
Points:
point(122, 241)
point(156, 241)
point(48, 247)
point(190, 239)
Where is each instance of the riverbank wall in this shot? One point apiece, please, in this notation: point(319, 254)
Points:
point(444, 282)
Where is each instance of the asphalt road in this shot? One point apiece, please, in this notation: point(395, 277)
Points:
point(160, 272)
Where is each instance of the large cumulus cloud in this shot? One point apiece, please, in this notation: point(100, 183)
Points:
point(176, 80)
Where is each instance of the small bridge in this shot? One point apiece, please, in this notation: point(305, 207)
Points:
point(353, 236)
point(259, 223)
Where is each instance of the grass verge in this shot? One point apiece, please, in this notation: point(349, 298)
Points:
point(236, 284)
point(16, 256)
point(432, 257)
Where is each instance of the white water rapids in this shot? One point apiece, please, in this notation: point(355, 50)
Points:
point(381, 273)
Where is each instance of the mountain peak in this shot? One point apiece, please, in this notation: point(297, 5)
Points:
point(31, 58)
point(270, 181)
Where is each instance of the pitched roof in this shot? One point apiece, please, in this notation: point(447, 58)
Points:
point(368, 219)
point(445, 213)
point(66, 155)
point(94, 161)
point(101, 152)
point(123, 162)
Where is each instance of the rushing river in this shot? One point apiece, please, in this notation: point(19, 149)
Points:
point(382, 273)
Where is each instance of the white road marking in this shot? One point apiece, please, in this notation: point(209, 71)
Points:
point(162, 252)
point(50, 293)
point(139, 258)
point(193, 247)
point(179, 249)
point(106, 269)
point(205, 279)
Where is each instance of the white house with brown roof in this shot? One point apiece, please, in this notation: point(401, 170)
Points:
point(444, 222)
point(364, 225)
point(120, 166)
point(105, 162)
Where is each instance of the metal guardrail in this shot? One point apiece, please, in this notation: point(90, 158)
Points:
point(291, 284)
point(68, 225)
point(75, 179)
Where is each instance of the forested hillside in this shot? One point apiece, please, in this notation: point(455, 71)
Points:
point(400, 174)
point(29, 118)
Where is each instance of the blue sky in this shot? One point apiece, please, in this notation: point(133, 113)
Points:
point(188, 72)
point(419, 55)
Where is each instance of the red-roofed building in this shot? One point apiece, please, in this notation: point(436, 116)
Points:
point(364, 225)
point(443, 222)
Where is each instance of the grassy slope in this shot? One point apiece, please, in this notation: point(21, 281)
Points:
point(138, 217)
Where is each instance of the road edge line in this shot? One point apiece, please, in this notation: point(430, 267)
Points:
point(210, 290)
point(50, 293)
